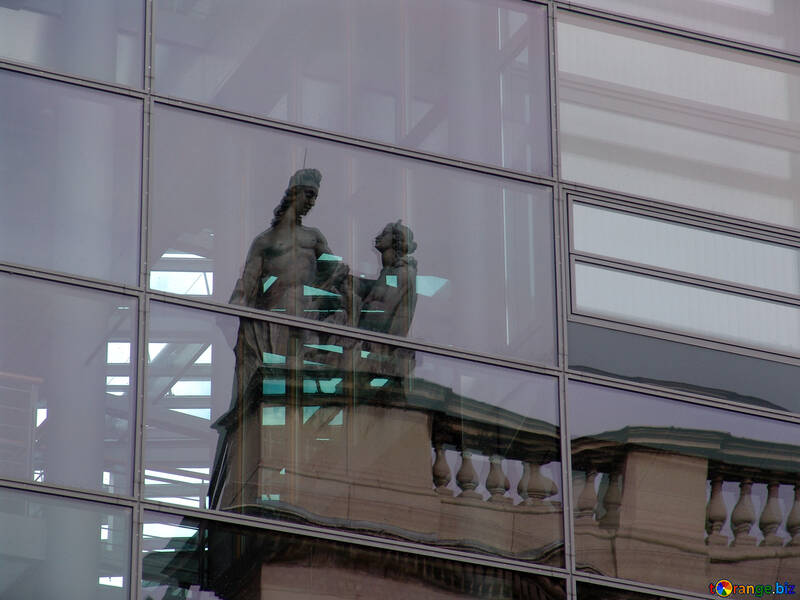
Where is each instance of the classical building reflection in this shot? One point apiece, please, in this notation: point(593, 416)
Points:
point(365, 448)
point(420, 448)
point(683, 504)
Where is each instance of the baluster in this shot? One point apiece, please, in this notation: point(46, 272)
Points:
point(522, 486)
point(588, 497)
point(441, 472)
point(467, 477)
point(743, 516)
point(716, 512)
point(612, 502)
point(534, 487)
point(793, 520)
point(496, 482)
point(771, 516)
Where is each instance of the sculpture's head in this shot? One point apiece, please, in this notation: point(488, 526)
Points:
point(302, 192)
point(398, 237)
point(305, 177)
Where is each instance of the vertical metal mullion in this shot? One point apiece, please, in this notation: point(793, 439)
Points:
point(143, 309)
point(138, 479)
point(136, 551)
point(148, 46)
point(553, 95)
point(561, 221)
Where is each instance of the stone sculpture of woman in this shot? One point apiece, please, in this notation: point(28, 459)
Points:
point(388, 302)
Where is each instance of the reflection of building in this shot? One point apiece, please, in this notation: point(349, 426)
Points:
point(629, 277)
point(358, 456)
point(653, 513)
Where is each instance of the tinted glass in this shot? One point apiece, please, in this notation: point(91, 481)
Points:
point(67, 385)
point(252, 417)
point(665, 490)
point(469, 265)
point(587, 591)
point(59, 548)
point(101, 39)
point(700, 370)
point(69, 178)
point(216, 560)
point(376, 69)
point(678, 247)
point(770, 23)
point(694, 310)
point(685, 122)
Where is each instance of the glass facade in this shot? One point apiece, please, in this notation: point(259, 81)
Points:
point(419, 299)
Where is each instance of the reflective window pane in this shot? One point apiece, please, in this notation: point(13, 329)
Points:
point(695, 310)
point(60, 548)
point(67, 385)
point(258, 418)
point(771, 23)
point(375, 69)
point(588, 591)
point(391, 245)
point(70, 178)
point(690, 368)
point(212, 560)
point(681, 495)
point(684, 122)
point(101, 39)
point(678, 247)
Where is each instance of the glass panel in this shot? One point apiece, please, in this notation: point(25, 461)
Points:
point(69, 177)
point(695, 310)
point(679, 247)
point(588, 591)
point(334, 431)
point(665, 490)
point(770, 23)
point(58, 548)
point(101, 39)
point(212, 560)
point(471, 264)
point(684, 367)
point(686, 122)
point(375, 69)
point(67, 385)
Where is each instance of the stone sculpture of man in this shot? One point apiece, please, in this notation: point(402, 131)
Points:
point(283, 273)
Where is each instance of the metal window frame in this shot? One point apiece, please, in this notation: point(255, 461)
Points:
point(675, 333)
point(654, 25)
point(564, 194)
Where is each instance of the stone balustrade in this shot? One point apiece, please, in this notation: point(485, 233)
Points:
point(698, 503)
point(422, 464)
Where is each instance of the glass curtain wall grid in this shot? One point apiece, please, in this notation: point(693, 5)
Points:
point(452, 291)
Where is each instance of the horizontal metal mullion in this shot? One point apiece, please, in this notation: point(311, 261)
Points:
point(653, 211)
point(353, 141)
point(681, 396)
point(646, 589)
point(360, 334)
point(263, 524)
point(706, 38)
point(675, 210)
point(676, 335)
point(69, 492)
point(86, 82)
point(683, 338)
point(721, 285)
point(75, 280)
